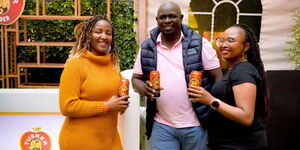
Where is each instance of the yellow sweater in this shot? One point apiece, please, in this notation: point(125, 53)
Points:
point(86, 82)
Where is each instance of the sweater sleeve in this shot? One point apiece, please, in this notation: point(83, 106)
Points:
point(69, 93)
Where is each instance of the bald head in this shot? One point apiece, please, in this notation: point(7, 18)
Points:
point(169, 19)
point(169, 6)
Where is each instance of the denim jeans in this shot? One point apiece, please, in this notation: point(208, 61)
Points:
point(164, 137)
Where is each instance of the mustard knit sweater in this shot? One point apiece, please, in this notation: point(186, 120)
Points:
point(86, 83)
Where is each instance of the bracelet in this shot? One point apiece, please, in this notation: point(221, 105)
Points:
point(105, 107)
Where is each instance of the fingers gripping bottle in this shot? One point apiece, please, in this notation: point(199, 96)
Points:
point(155, 81)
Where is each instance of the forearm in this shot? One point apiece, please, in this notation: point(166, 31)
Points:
point(235, 114)
point(138, 85)
point(81, 108)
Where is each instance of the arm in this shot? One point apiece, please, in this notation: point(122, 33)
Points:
point(210, 61)
point(138, 84)
point(244, 95)
point(143, 88)
point(72, 105)
point(69, 94)
point(215, 74)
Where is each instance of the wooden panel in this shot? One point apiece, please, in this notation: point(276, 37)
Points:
point(45, 44)
point(36, 65)
point(45, 85)
point(30, 17)
point(2, 57)
point(14, 69)
point(41, 65)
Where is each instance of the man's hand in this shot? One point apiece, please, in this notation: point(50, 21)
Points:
point(144, 88)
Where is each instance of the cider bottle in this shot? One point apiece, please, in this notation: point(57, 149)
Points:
point(124, 87)
point(155, 81)
point(195, 78)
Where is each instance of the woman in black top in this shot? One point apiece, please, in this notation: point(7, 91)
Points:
point(239, 101)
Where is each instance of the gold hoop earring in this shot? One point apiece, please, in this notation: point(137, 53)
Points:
point(88, 47)
point(245, 54)
point(223, 59)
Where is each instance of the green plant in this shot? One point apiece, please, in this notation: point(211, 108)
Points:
point(123, 20)
point(293, 52)
point(122, 17)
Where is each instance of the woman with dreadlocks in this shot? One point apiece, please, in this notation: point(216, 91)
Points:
point(88, 89)
point(239, 102)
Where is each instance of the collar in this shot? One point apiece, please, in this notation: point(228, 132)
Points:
point(159, 41)
point(106, 59)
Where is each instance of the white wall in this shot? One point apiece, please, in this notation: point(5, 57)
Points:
point(275, 31)
point(24, 109)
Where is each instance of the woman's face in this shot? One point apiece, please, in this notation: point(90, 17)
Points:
point(231, 44)
point(101, 38)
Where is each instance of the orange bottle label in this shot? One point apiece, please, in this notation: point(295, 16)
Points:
point(155, 80)
point(195, 78)
point(124, 87)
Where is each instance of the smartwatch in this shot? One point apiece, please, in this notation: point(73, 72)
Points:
point(215, 104)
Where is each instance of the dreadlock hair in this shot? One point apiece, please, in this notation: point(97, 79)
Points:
point(78, 29)
point(83, 33)
point(253, 55)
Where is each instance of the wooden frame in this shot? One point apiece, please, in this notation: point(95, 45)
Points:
point(10, 67)
point(35, 65)
point(10, 74)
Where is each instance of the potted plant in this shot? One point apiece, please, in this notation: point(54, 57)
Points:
point(293, 52)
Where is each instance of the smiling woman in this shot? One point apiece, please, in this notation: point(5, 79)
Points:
point(101, 38)
point(239, 101)
point(96, 36)
point(88, 88)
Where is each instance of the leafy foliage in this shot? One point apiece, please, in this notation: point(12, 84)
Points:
point(122, 16)
point(123, 20)
point(294, 49)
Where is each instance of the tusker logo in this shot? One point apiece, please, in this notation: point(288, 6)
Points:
point(35, 140)
point(10, 11)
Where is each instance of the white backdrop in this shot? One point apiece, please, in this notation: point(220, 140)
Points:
point(24, 109)
point(275, 28)
point(275, 31)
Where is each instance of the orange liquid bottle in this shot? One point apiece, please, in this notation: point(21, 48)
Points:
point(195, 78)
point(124, 87)
point(155, 81)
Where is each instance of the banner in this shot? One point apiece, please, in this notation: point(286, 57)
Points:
point(10, 11)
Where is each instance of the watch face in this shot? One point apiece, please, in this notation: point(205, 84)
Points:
point(215, 104)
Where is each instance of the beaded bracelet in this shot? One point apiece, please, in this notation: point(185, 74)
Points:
point(105, 107)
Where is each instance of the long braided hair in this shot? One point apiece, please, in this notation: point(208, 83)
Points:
point(83, 33)
point(253, 56)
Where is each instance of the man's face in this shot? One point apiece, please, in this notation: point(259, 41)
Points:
point(169, 20)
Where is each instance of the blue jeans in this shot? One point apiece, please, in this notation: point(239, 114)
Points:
point(164, 137)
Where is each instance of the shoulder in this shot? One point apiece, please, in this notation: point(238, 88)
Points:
point(146, 43)
point(205, 41)
point(189, 33)
point(245, 72)
point(75, 64)
point(206, 45)
point(245, 67)
point(74, 61)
